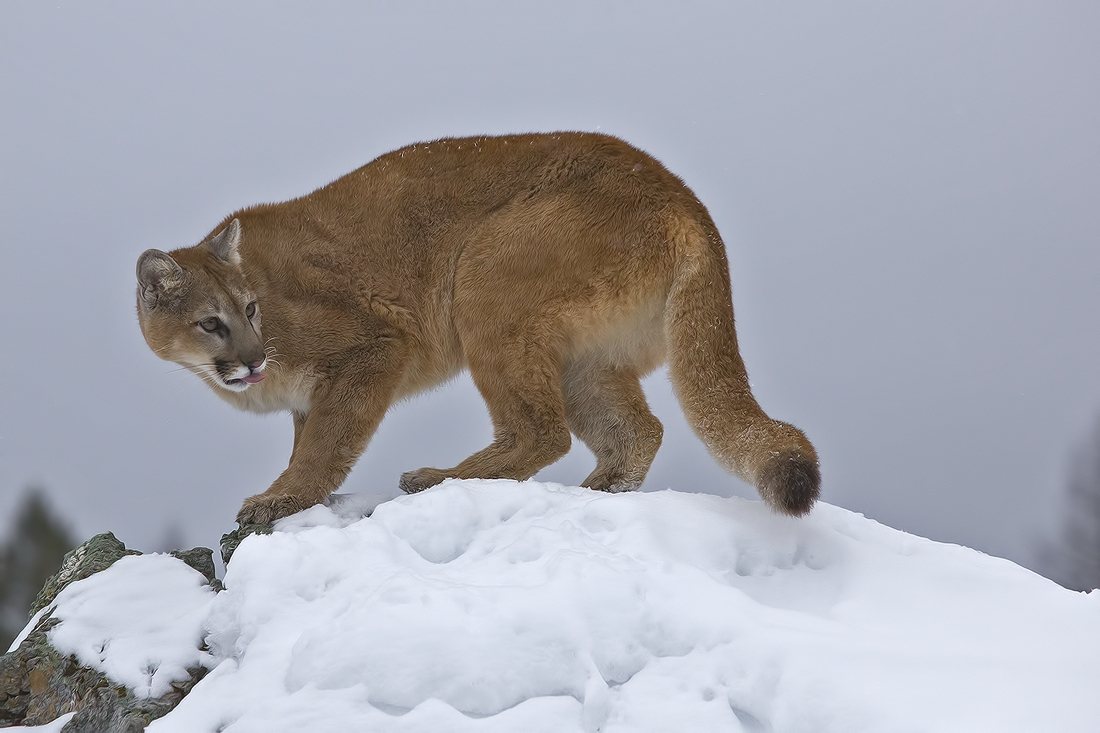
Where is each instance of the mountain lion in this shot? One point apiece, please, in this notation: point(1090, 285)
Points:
point(558, 268)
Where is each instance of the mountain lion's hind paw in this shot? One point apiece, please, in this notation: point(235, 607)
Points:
point(423, 478)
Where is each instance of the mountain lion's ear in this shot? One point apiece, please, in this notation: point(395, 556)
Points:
point(157, 273)
point(224, 244)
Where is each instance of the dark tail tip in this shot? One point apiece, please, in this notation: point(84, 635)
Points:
point(790, 482)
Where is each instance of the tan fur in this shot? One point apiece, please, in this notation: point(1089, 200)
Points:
point(559, 269)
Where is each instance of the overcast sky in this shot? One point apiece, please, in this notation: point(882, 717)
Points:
point(910, 196)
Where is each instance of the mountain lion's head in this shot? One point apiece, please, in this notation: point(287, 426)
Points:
point(196, 309)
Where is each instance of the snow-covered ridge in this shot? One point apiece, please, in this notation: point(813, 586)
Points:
point(505, 606)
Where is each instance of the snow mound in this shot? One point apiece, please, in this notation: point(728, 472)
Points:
point(505, 606)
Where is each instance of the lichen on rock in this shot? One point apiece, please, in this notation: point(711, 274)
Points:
point(98, 553)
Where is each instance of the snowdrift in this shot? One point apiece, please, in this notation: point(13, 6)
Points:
point(505, 606)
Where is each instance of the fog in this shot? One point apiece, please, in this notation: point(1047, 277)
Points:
point(910, 197)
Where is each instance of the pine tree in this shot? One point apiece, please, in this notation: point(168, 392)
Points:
point(32, 553)
point(1073, 559)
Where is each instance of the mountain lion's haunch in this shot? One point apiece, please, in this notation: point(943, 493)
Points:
point(559, 269)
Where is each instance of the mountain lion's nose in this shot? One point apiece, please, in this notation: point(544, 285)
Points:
point(255, 364)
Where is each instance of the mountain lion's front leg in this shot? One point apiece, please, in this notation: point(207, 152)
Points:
point(346, 410)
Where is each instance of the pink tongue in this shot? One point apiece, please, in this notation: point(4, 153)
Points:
point(253, 378)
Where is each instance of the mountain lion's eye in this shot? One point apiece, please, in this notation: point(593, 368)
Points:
point(210, 325)
point(250, 309)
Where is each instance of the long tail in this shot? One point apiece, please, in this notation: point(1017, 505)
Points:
point(710, 381)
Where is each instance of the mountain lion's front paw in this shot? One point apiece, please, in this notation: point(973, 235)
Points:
point(423, 478)
point(266, 508)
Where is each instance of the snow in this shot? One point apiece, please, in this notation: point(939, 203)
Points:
point(53, 726)
point(140, 622)
point(22, 635)
point(504, 606)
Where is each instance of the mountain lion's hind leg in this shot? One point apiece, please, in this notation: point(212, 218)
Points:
point(606, 408)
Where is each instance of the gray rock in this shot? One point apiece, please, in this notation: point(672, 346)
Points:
point(201, 559)
point(102, 713)
point(38, 684)
point(230, 540)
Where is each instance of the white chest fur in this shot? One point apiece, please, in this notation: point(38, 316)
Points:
point(282, 391)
